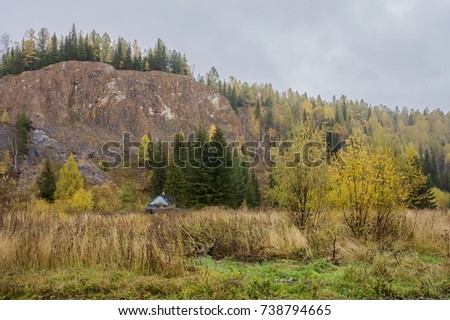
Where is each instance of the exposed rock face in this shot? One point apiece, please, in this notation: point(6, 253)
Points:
point(78, 106)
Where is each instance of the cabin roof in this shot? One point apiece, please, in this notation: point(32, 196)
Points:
point(162, 200)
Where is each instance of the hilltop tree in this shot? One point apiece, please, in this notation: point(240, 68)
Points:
point(212, 77)
point(119, 54)
point(29, 50)
point(159, 58)
point(105, 48)
point(69, 180)
point(42, 43)
point(53, 55)
point(5, 43)
point(46, 183)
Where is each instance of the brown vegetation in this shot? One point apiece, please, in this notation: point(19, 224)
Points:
point(38, 238)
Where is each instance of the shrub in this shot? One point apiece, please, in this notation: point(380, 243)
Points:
point(81, 201)
point(442, 198)
point(106, 197)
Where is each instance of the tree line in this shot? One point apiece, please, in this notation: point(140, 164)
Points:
point(40, 49)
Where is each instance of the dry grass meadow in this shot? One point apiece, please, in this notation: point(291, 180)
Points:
point(216, 253)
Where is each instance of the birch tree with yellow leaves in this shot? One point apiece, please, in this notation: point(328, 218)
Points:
point(369, 187)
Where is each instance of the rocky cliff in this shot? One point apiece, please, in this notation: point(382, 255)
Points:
point(78, 106)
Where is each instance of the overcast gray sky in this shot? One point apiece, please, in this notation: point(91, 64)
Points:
point(393, 52)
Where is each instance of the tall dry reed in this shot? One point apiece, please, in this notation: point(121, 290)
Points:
point(43, 239)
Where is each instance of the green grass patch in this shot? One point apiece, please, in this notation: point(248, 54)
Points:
point(386, 277)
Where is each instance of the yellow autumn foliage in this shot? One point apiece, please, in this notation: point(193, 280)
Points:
point(369, 187)
point(81, 201)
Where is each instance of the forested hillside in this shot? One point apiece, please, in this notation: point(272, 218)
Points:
point(265, 109)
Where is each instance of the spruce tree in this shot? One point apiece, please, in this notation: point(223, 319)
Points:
point(239, 182)
point(219, 162)
point(72, 46)
point(53, 56)
point(69, 180)
point(159, 57)
point(421, 196)
point(199, 175)
point(176, 180)
point(128, 63)
point(252, 195)
point(158, 165)
point(46, 183)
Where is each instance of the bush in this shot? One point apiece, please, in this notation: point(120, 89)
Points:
point(81, 201)
point(442, 198)
point(106, 197)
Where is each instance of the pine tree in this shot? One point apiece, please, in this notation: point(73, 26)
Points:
point(46, 183)
point(69, 180)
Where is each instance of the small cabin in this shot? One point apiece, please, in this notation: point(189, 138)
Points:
point(160, 202)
